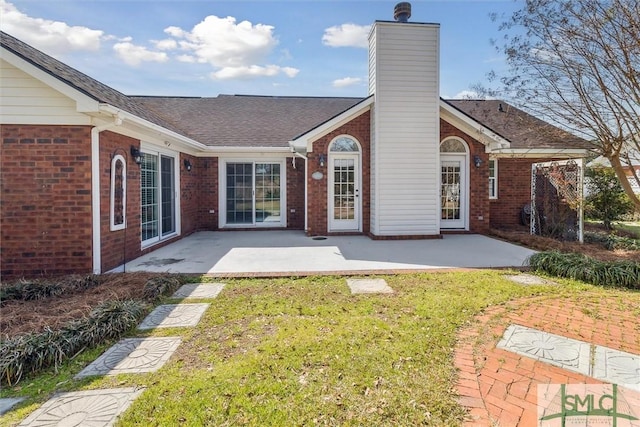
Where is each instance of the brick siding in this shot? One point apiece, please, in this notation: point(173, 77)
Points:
point(360, 129)
point(45, 211)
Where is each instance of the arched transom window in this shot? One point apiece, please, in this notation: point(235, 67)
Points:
point(453, 146)
point(344, 144)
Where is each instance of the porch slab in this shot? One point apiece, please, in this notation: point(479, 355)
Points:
point(290, 252)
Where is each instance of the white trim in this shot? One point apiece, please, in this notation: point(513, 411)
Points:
point(495, 179)
point(222, 191)
point(304, 143)
point(159, 151)
point(330, 181)
point(465, 174)
point(112, 225)
point(521, 153)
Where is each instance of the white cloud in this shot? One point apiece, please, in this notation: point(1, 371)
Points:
point(135, 55)
point(347, 35)
point(53, 37)
point(347, 81)
point(252, 71)
point(166, 44)
point(186, 58)
point(467, 94)
point(224, 43)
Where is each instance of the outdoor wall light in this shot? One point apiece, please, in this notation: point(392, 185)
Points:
point(477, 161)
point(136, 155)
point(322, 159)
point(187, 165)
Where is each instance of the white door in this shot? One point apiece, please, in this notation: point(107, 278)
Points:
point(453, 192)
point(344, 193)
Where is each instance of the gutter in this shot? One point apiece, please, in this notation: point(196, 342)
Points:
point(95, 192)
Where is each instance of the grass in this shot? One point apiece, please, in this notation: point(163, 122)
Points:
point(629, 227)
point(307, 352)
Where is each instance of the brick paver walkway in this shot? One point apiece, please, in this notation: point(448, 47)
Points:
point(499, 387)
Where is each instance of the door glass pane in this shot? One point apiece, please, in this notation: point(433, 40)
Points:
point(168, 195)
point(344, 189)
point(450, 191)
point(149, 196)
point(239, 193)
point(267, 192)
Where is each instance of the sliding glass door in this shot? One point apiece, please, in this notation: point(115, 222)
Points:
point(157, 197)
point(253, 194)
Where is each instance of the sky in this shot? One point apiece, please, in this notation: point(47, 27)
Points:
point(278, 48)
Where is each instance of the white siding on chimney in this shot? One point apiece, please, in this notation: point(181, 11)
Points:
point(404, 75)
point(28, 101)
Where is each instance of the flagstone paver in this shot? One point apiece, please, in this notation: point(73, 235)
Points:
point(617, 367)
point(369, 286)
point(133, 355)
point(6, 403)
point(174, 316)
point(93, 408)
point(199, 290)
point(529, 279)
point(500, 387)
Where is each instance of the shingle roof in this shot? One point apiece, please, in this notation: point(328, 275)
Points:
point(247, 121)
point(272, 121)
point(523, 130)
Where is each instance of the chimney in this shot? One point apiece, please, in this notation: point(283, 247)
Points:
point(402, 12)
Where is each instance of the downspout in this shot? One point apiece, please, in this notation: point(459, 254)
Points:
point(95, 192)
point(306, 171)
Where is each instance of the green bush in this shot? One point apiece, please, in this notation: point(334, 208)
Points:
point(612, 242)
point(607, 201)
point(580, 267)
point(34, 352)
point(37, 289)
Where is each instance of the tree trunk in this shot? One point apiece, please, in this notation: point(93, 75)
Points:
point(624, 181)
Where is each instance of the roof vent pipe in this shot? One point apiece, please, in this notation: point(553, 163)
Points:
point(402, 12)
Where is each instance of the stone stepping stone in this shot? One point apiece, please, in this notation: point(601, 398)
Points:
point(95, 408)
point(554, 349)
point(369, 286)
point(199, 290)
point(617, 367)
point(529, 279)
point(174, 316)
point(6, 403)
point(133, 355)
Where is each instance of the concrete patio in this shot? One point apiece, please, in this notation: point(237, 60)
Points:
point(273, 253)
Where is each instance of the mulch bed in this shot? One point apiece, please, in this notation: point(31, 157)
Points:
point(21, 317)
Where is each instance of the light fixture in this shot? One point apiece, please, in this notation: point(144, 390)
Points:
point(187, 165)
point(477, 160)
point(136, 155)
point(322, 159)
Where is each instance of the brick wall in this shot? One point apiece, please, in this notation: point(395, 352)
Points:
point(295, 194)
point(359, 128)
point(514, 191)
point(119, 246)
point(189, 194)
point(206, 170)
point(479, 207)
point(45, 210)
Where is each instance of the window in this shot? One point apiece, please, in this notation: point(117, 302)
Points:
point(493, 179)
point(157, 197)
point(118, 205)
point(344, 144)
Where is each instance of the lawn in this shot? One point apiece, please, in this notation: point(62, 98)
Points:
point(304, 351)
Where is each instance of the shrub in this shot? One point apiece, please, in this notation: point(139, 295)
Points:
point(607, 201)
point(580, 267)
point(27, 290)
point(31, 353)
point(612, 242)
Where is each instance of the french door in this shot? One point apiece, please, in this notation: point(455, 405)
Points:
point(157, 197)
point(253, 194)
point(344, 193)
point(453, 192)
